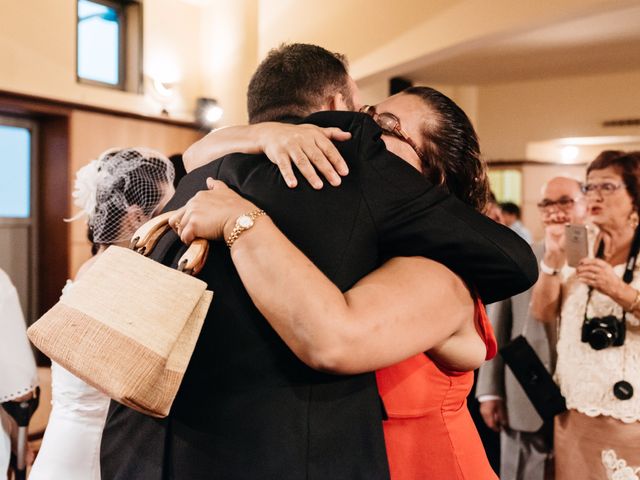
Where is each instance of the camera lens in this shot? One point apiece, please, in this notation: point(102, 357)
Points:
point(600, 338)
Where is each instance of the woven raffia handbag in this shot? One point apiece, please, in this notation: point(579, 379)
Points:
point(129, 325)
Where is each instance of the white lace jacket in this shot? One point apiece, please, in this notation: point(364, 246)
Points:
point(586, 376)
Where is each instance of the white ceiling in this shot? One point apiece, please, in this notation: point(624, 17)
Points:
point(606, 42)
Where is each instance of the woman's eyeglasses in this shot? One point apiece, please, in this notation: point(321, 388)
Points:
point(604, 188)
point(390, 124)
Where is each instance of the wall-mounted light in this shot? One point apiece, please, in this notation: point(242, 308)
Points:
point(162, 92)
point(208, 112)
point(164, 89)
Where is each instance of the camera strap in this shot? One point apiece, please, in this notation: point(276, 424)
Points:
point(633, 257)
point(628, 271)
point(622, 389)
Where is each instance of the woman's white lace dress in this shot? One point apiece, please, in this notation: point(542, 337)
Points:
point(586, 376)
point(71, 446)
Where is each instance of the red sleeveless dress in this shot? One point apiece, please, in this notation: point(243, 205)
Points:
point(429, 433)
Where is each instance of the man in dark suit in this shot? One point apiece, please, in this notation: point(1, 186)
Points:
point(247, 407)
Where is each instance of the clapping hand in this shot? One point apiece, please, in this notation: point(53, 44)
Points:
point(554, 242)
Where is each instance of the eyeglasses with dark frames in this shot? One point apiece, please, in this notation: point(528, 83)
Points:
point(604, 188)
point(390, 124)
point(564, 203)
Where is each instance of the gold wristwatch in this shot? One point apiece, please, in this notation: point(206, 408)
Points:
point(243, 222)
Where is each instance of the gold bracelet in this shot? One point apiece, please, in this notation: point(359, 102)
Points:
point(635, 303)
point(243, 223)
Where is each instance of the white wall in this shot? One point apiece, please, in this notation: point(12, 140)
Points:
point(229, 37)
point(172, 46)
point(373, 92)
point(511, 115)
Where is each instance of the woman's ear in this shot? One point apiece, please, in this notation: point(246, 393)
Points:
point(634, 219)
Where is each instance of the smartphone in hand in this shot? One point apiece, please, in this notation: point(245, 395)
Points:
point(576, 244)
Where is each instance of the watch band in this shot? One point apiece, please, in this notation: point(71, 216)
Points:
point(635, 303)
point(546, 269)
point(243, 222)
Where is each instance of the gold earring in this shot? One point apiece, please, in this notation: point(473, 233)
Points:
point(634, 220)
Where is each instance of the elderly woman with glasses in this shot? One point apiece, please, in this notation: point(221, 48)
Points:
point(385, 322)
point(598, 304)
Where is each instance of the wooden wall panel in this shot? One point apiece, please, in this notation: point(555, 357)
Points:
point(54, 205)
point(92, 133)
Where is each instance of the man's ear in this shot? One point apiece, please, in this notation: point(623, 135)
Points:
point(335, 102)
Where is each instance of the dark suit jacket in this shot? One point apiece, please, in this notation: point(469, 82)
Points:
point(248, 408)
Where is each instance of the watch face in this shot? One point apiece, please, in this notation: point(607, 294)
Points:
point(244, 221)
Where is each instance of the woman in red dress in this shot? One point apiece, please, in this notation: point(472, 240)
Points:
point(429, 432)
point(412, 320)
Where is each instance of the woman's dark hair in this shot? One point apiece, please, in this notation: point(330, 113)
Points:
point(94, 246)
point(451, 149)
point(133, 177)
point(178, 166)
point(627, 164)
point(511, 208)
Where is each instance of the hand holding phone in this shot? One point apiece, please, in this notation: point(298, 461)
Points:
point(576, 244)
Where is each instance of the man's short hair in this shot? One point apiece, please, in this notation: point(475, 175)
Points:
point(294, 80)
point(511, 208)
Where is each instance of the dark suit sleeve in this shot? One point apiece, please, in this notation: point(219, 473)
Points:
point(192, 184)
point(414, 218)
point(169, 247)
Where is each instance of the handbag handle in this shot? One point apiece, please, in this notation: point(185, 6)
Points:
point(146, 237)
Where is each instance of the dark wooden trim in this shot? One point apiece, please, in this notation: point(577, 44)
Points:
point(22, 104)
point(519, 163)
point(139, 13)
point(53, 244)
point(623, 122)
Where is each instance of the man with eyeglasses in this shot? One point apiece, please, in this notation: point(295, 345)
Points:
point(505, 408)
point(563, 203)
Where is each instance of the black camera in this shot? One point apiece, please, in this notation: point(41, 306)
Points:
point(603, 332)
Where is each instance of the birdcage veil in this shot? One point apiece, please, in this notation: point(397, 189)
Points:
point(121, 181)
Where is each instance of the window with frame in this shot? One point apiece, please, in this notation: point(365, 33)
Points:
point(506, 184)
point(15, 184)
point(109, 41)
